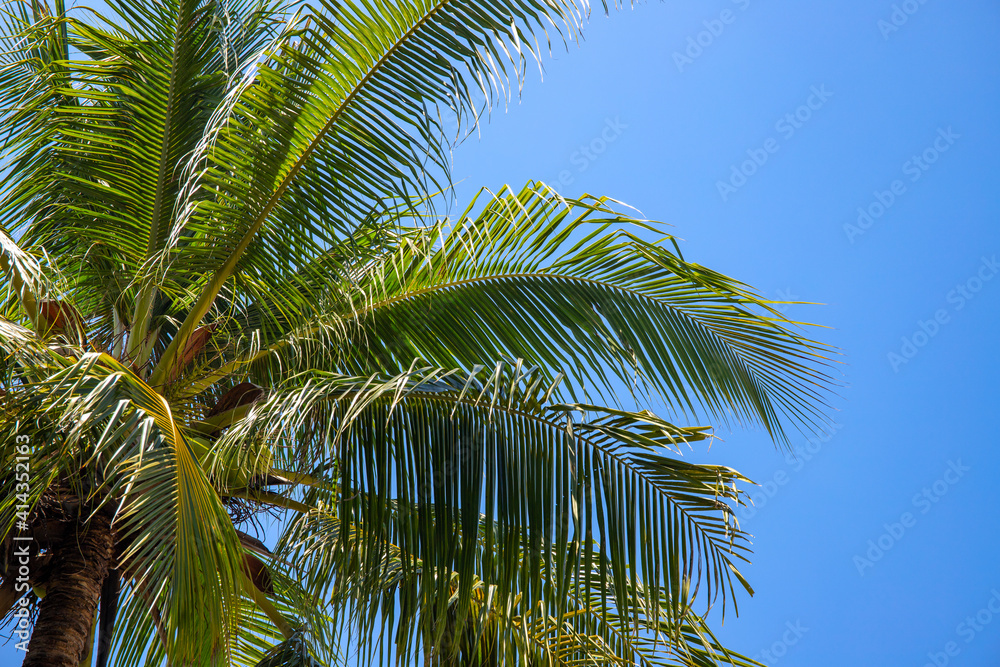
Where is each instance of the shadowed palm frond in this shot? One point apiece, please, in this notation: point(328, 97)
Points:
point(430, 459)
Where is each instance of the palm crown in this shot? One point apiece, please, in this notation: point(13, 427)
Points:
point(228, 291)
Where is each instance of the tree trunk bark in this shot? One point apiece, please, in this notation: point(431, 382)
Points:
point(79, 566)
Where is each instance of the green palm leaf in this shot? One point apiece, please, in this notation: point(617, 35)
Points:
point(457, 450)
point(114, 441)
point(572, 285)
point(355, 87)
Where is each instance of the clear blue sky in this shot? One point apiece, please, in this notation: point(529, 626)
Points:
point(884, 96)
point(916, 439)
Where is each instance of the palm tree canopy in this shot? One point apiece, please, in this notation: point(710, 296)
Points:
point(228, 288)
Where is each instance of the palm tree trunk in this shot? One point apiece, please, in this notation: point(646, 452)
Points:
point(79, 566)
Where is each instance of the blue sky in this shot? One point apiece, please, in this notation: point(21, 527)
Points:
point(877, 103)
point(877, 544)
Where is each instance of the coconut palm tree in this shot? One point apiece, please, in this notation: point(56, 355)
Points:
point(228, 292)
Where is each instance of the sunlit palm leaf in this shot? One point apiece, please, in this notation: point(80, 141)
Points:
point(116, 441)
point(356, 87)
point(576, 286)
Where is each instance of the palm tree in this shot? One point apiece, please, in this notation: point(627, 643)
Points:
point(228, 292)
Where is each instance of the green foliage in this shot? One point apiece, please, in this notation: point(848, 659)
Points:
point(227, 291)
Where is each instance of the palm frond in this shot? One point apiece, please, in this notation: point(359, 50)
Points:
point(574, 286)
point(589, 629)
point(355, 81)
point(112, 440)
point(460, 450)
point(97, 142)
